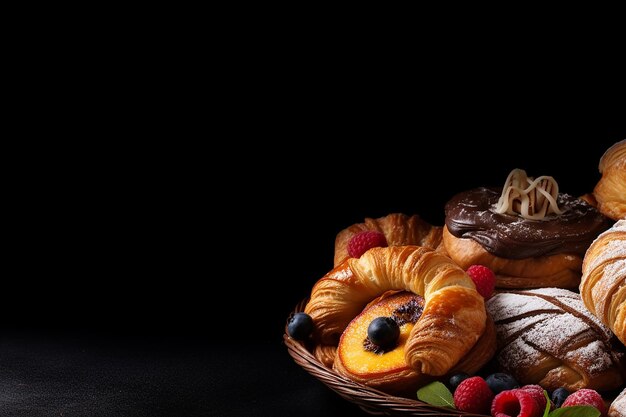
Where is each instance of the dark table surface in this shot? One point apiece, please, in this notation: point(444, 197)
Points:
point(145, 318)
point(74, 375)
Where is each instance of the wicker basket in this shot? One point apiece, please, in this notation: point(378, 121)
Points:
point(368, 399)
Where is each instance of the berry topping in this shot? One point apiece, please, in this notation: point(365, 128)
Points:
point(409, 312)
point(456, 379)
point(586, 397)
point(365, 240)
point(383, 331)
point(473, 395)
point(484, 279)
point(536, 392)
point(500, 381)
point(558, 396)
point(300, 326)
point(515, 403)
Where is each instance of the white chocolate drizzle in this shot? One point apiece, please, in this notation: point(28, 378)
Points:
point(533, 199)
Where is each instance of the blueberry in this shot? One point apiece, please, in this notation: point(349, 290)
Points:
point(500, 381)
point(456, 379)
point(558, 396)
point(300, 326)
point(383, 331)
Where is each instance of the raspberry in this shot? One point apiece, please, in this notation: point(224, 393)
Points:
point(537, 393)
point(515, 403)
point(473, 395)
point(365, 240)
point(586, 397)
point(484, 279)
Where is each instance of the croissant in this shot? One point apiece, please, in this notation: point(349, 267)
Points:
point(618, 407)
point(454, 315)
point(386, 368)
point(399, 229)
point(603, 285)
point(610, 191)
point(547, 337)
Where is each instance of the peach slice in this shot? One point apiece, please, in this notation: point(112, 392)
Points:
point(387, 370)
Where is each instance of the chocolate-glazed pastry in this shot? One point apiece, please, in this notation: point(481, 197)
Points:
point(471, 215)
point(527, 232)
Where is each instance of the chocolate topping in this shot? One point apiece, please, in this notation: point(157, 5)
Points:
point(470, 215)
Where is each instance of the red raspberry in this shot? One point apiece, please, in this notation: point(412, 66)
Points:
point(515, 403)
point(484, 279)
point(536, 392)
point(365, 240)
point(586, 397)
point(473, 395)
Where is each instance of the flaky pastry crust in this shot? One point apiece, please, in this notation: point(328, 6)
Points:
point(401, 380)
point(454, 315)
point(560, 270)
point(546, 336)
point(399, 230)
point(603, 285)
point(610, 191)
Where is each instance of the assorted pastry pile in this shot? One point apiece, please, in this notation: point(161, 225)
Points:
point(520, 294)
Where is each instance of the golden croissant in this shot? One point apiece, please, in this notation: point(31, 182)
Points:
point(610, 191)
point(454, 315)
point(399, 230)
point(603, 285)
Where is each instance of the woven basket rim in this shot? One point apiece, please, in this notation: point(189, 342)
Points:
point(367, 398)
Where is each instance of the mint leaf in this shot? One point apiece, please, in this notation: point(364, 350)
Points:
point(576, 411)
point(436, 394)
point(548, 404)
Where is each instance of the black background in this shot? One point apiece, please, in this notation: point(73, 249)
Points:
point(158, 281)
point(405, 172)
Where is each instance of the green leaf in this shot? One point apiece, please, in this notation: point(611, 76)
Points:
point(548, 404)
point(436, 394)
point(576, 411)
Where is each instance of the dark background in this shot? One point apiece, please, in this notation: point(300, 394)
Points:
point(399, 173)
point(156, 280)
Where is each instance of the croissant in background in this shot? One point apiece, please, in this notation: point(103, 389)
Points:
point(454, 315)
point(603, 285)
point(610, 192)
point(399, 230)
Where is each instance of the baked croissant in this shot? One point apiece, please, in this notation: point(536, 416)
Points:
point(385, 368)
point(548, 337)
point(454, 315)
point(610, 191)
point(399, 230)
point(603, 285)
point(618, 407)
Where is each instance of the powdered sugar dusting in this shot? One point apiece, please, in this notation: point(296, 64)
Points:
point(578, 305)
point(620, 225)
point(591, 357)
point(613, 249)
point(552, 334)
point(506, 305)
point(504, 331)
point(554, 292)
point(615, 271)
point(549, 333)
point(518, 354)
